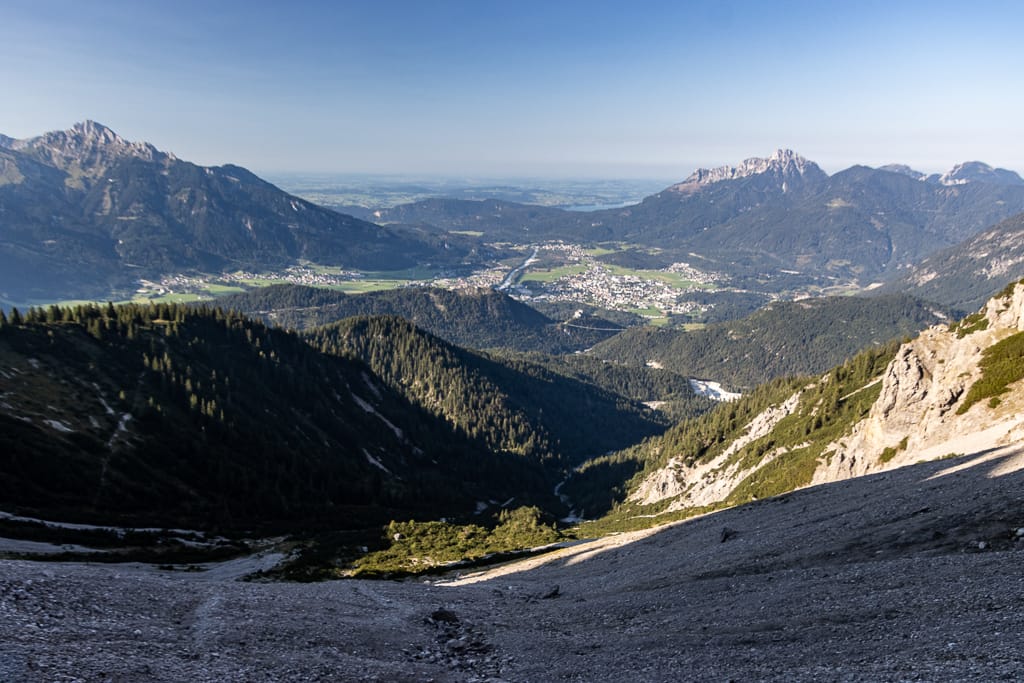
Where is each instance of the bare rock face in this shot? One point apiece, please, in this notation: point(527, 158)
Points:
point(916, 416)
point(785, 167)
point(88, 148)
point(708, 482)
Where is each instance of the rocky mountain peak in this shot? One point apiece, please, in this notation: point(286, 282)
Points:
point(903, 169)
point(95, 133)
point(785, 167)
point(87, 145)
point(977, 171)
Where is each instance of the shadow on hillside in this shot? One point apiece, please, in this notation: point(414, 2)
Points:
point(966, 504)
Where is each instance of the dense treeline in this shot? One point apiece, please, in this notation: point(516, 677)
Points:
point(178, 415)
point(473, 318)
point(671, 392)
point(785, 338)
point(509, 405)
point(565, 310)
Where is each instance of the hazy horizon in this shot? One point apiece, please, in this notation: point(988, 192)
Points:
point(536, 90)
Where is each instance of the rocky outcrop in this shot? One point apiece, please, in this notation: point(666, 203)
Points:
point(703, 483)
point(86, 149)
point(784, 166)
point(977, 171)
point(916, 416)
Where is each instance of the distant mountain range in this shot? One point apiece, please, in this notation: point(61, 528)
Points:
point(961, 174)
point(774, 222)
point(85, 211)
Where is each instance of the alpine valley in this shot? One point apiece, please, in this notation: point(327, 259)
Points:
point(775, 411)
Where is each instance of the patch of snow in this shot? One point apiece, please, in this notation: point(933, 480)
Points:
point(34, 363)
point(14, 545)
point(375, 462)
point(99, 395)
point(654, 364)
point(59, 426)
point(712, 390)
point(97, 527)
point(480, 507)
point(365, 405)
point(370, 409)
point(371, 386)
point(122, 426)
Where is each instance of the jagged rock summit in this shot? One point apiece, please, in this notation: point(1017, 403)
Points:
point(961, 174)
point(903, 169)
point(86, 146)
point(977, 171)
point(784, 167)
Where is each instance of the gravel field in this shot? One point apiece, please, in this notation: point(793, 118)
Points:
point(913, 574)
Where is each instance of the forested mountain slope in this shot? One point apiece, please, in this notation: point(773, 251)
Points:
point(478, 318)
point(776, 221)
point(783, 338)
point(671, 393)
point(966, 275)
point(166, 415)
point(509, 406)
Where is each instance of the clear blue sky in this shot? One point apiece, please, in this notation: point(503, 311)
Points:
point(514, 88)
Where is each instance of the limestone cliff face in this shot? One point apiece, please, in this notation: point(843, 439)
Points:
point(924, 385)
point(914, 418)
point(709, 482)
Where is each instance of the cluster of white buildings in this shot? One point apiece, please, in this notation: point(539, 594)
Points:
point(600, 287)
point(595, 283)
point(296, 275)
